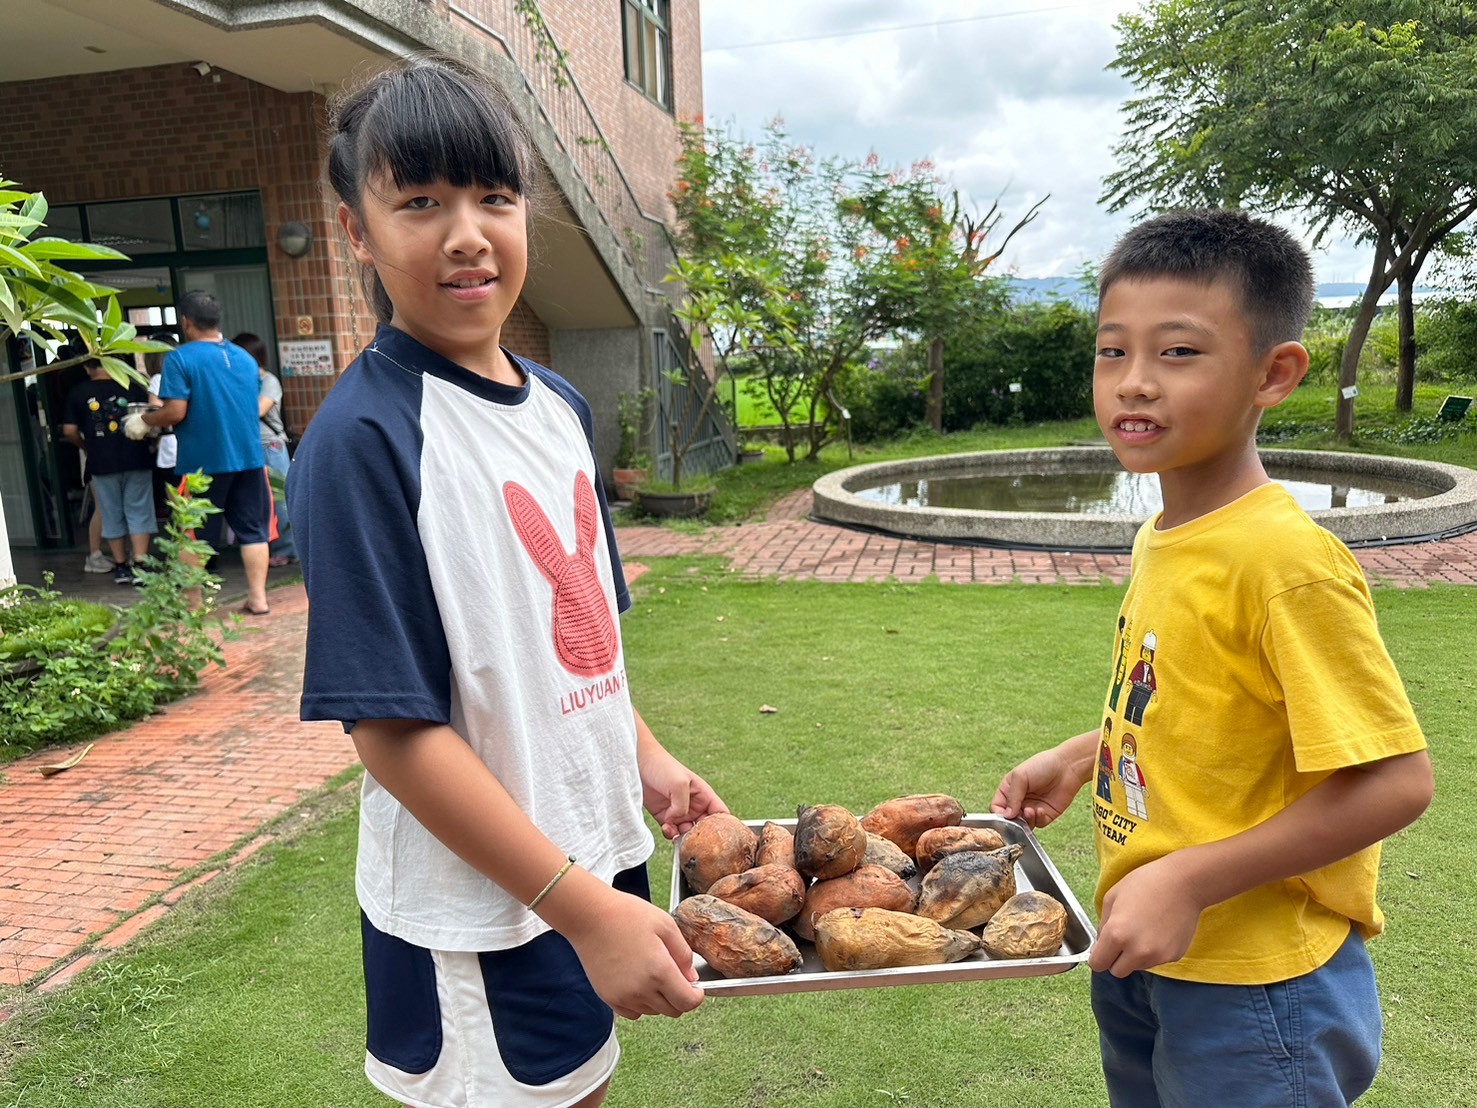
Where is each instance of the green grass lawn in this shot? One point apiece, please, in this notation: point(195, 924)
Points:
point(1305, 421)
point(753, 407)
point(249, 993)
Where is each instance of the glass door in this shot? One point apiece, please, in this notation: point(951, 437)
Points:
point(245, 296)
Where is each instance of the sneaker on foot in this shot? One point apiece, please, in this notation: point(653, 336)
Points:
point(123, 574)
point(98, 562)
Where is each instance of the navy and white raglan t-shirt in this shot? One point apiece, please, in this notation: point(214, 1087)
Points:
point(461, 569)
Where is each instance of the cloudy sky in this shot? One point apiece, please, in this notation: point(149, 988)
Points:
point(1009, 98)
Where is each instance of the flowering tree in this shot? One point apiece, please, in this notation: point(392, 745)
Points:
point(937, 259)
point(854, 251)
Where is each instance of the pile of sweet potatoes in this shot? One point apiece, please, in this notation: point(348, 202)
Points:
point(903, 885)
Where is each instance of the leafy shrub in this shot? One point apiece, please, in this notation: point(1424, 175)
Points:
point(161, 643)
point(1382, 348)
point(1446, 341)
point(886, 396)
point(33, 620)
point(1328, 332)
point(1048, 348)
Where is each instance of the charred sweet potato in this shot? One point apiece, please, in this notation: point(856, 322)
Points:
point(864, 887)
point(888, 855)
point(1028, 925)
point(772, 892)
point(828, 841)
point(715, 846)
point(940, 842)
point(902, 819)
point(734, 942)
point(776, 846)
point(965, 889)
point(875, 938)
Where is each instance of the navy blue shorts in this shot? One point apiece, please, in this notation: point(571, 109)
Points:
point(245, 502)
point(451, 1029)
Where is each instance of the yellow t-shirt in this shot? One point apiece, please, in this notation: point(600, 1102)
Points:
point(1247, 668)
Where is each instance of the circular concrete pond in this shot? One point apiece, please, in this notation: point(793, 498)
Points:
point(1079, 498)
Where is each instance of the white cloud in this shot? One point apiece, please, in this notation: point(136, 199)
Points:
point(1015, 103)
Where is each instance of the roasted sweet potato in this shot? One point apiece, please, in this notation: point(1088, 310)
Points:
point(715, 846)
point(773, 892)
point(940, 842)
point(888, 855)
point(902, 819)
point(776, 846)
point(965, 889)
point(734, 942)
point(828, 841)
point(1028, 925)
point(874, 938)
point(864, 887)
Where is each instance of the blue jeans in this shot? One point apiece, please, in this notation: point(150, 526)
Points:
point(1309, 1042)
point(277, 462)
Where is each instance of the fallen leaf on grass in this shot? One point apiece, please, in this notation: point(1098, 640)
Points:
point(58, 767)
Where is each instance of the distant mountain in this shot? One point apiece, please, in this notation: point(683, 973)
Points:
point(1331, 294)
point(1050, 288)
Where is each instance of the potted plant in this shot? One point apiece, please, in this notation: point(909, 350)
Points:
point(632, 464)
point(750, 451)
point(667, 501)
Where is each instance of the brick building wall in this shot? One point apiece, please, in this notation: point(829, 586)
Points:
point(524, 333)
point(163, 131)
point(642, 134)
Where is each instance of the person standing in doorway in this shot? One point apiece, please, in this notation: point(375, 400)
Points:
point(274, 443)
point(168, 448)
point(209, 388)
point(123, 496)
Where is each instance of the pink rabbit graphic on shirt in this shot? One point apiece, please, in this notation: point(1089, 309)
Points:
point(585, 636)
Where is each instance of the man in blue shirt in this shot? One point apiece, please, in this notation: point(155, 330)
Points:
point(209, 388)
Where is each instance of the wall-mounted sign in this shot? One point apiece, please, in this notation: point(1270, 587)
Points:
point(306, 359)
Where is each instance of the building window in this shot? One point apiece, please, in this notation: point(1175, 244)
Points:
point(132, 226)
point(223, 222)
point(646, 29)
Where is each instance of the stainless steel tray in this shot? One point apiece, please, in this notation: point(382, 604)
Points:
point(1034, 870)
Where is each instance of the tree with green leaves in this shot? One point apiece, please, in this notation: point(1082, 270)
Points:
point(46, 304)
point(1358, 114)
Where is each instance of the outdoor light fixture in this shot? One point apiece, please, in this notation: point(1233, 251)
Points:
point(202, 68)
point(294, 238)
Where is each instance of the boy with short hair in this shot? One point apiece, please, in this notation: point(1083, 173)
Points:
point(118, 467)
point(1271, 746)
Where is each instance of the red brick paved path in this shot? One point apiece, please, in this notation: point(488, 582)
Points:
point(81, 852)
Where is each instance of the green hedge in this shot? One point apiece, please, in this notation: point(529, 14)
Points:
point(1048, 348)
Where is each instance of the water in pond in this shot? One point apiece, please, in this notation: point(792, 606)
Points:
point(1118, 493)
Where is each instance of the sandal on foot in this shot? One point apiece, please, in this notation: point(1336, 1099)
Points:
point(246, 610)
